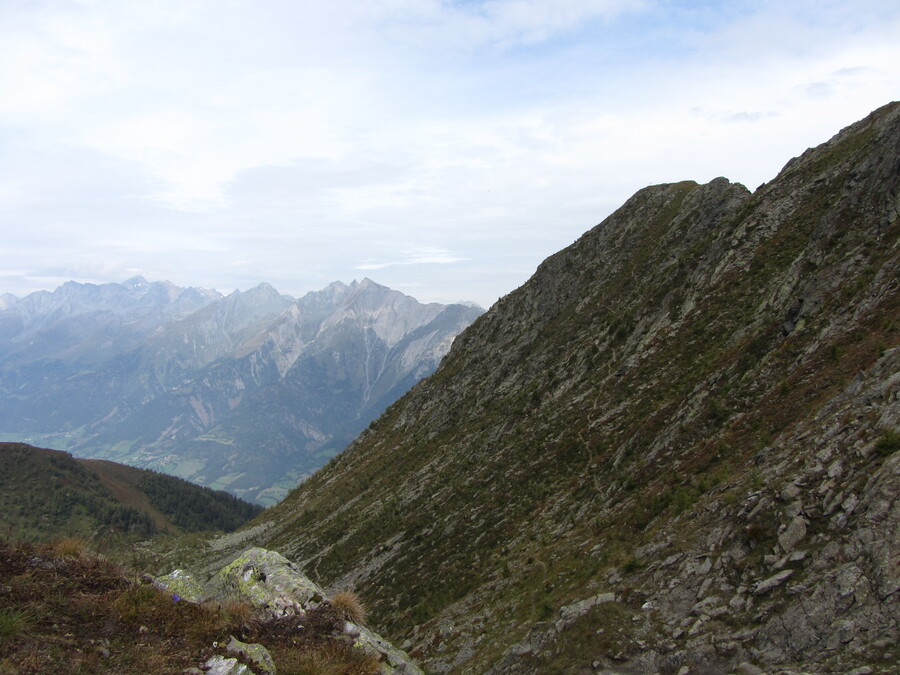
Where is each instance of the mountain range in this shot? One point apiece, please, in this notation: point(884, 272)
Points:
point(672, 450)
point(249, 392)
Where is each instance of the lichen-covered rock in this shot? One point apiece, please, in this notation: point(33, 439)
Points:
point(275, 587)
point(259, 655)
point(181, 584)
point(268, 581)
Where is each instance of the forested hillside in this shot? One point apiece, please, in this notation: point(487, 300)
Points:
point(45, 494)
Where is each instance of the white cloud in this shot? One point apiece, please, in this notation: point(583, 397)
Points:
point(420, 256)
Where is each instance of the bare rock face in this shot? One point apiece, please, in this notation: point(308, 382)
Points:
point(691, 414)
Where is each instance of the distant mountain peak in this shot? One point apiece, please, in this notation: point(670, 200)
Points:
point(135, 282)
point(7, 300)
point(223, 382)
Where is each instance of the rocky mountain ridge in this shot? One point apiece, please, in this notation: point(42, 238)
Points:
point(673, 450)
point(249, 392)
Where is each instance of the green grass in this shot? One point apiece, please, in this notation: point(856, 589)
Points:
point(13, 622)
point(888, 444)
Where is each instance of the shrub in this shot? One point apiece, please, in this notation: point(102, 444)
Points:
point(631, 565)
point(888, 444)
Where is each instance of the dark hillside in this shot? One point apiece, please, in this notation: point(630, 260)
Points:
point(674, 447)
point(45, 494)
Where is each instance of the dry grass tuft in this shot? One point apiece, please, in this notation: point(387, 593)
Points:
point(69, 547)
point(331, 659)
point(349, 607)
point(238, 613)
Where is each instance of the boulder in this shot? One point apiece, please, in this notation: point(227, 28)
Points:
point(393, 659)
point(259, 655)
point(275, 587)
point(182, 585)
point(267, 581)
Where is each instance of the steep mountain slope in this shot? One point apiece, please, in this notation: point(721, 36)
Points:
point(249, 392)
point(46, 494)
point(672, 450)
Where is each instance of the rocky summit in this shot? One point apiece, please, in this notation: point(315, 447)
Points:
point(673, 450)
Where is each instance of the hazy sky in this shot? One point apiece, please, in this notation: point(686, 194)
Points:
point(441, 148)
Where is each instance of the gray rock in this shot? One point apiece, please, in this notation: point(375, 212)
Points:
point(793, 534)
point(772, 582)
point(393, 659)
point(259, 655)
point(790, 492)
point(268, 581)
point(220, 665)
point(570, 613)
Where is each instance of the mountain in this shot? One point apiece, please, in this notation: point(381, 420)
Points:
point(48, 494)
point(249, 392)
point(674, 449)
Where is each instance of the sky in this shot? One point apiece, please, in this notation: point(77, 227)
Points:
point(442, 148)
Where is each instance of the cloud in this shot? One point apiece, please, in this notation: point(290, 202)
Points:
point(729, 116)
point(421, 256)
point(501, 23)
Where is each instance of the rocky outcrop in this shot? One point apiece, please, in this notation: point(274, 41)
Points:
point(275, 588)
point(268, 581)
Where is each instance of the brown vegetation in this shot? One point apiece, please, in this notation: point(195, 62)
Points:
point(64, 609)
